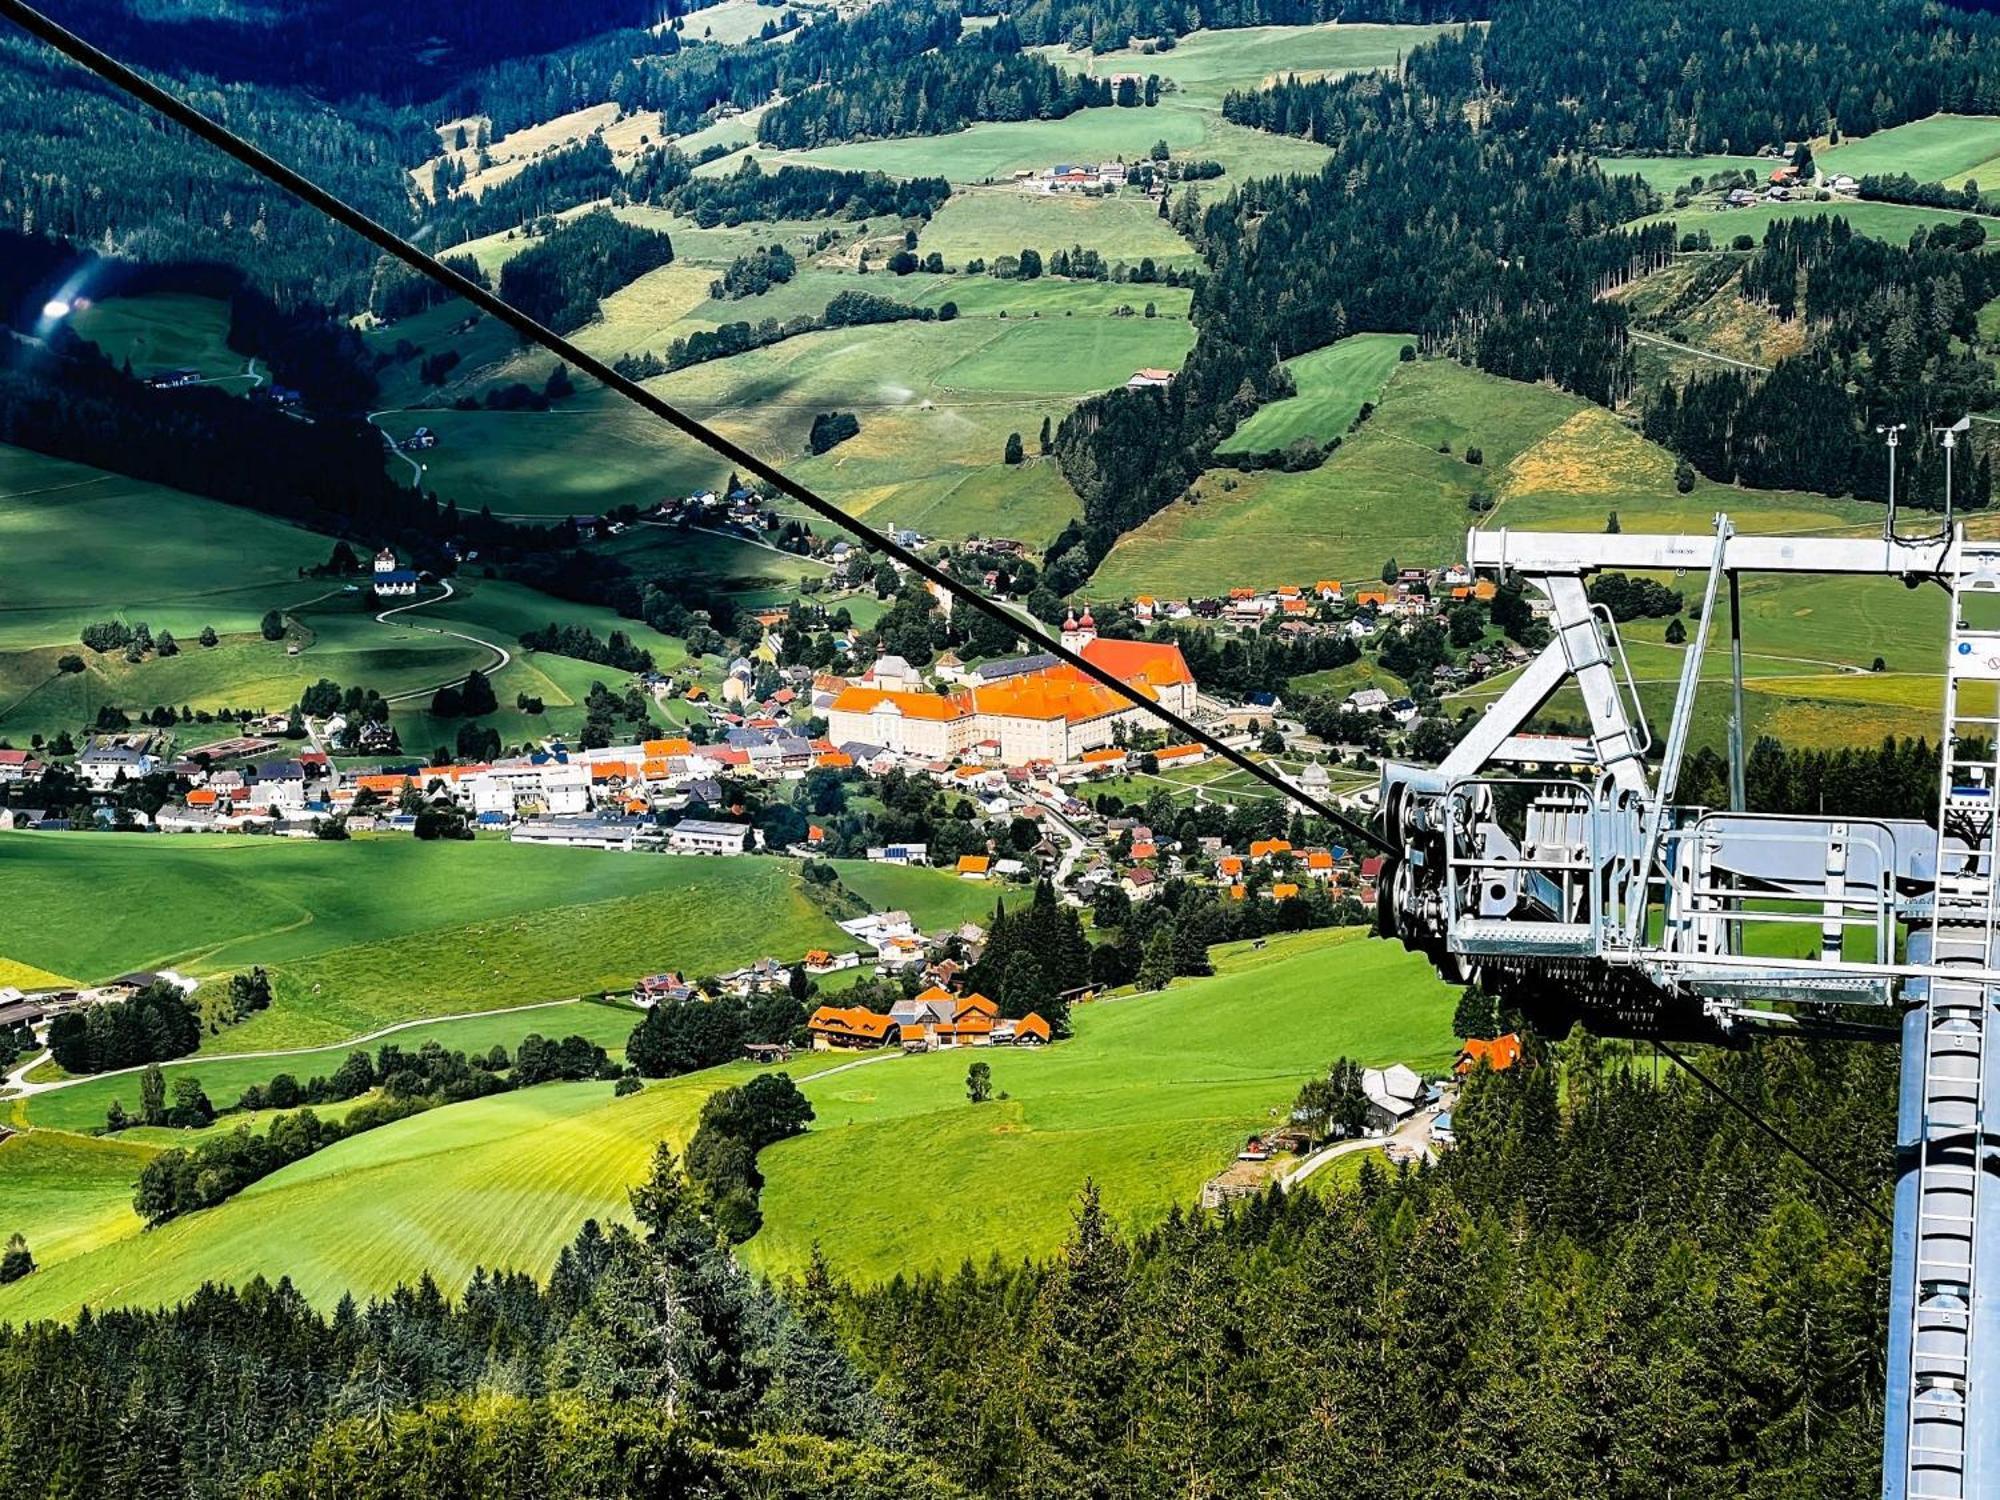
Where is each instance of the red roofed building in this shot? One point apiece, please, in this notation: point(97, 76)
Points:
point(1500, 1054)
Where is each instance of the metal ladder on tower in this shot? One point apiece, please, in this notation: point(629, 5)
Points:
point(1952, 1144)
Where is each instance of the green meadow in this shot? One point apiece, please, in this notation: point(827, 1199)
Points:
point(367, 933)
point(1205, 65)
point(1400, 488)
point(898, 1172)
point(83, 544)
point(164, 331)
point(995, 150)
point(1942, 148)
point(1894, 222)
point(1153, 1096)
point(1665, 174)
point(992, 221)
point(1333, 384)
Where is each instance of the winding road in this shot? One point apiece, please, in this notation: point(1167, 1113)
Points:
point(502, 656)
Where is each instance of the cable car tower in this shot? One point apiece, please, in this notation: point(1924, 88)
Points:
point(1562, 870)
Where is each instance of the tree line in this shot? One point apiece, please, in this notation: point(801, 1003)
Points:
point(1735, 75)
point(558, 279)
point(751, 193)
point(986, 76)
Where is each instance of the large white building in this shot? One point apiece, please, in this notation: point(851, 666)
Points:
point(1054, 713)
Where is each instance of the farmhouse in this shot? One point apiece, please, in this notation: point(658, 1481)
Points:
point(108, 757)
point(1150, 380)
point(850, 1028)
point(19, 765)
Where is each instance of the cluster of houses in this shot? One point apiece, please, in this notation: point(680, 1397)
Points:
point(1075, 177)
point(931, 1021)
point(1272, 868)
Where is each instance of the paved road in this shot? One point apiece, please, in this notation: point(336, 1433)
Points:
point(1414, 1134)
point(501, 653)
point(416, 469)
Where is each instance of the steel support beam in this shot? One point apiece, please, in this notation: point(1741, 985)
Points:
point(1539, 553)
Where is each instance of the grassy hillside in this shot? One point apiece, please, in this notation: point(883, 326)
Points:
point(1332, 385)
point(1399, 488)
point(1205, 65)
point(165, 331)
point(898, 1172)
point(82, 544)
point(1942, 148)
point(1883, 221)
point(504, 1181)
point(1666, 173)
point(363, 934)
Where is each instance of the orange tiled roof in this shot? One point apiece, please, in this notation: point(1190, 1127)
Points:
point(392, 785)
point(973, 864)
point(1177, 752)
point(976, 1003)
point(1230, 864)
point(660, 749)
point(934, 706)
point(834, 760)
point(604, 770)
point(1098, 757)
point(1031, 1025)
point(1499, 1054)
point(818, 956)
point(1260, 848)
point(850, 1021)
point(655, 769)
point(201, 797)
point(1319, 859)
point(1283, 889)
point(1238, 892)
point(1157, 662)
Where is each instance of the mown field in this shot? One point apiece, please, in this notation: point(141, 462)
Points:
point(1665, 174)
point(936, 401)
point(83, 544)
point(367, 933)
point(1149, 1099)
point(1942, 148)
point(1333, 383)
point(1205, 65)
